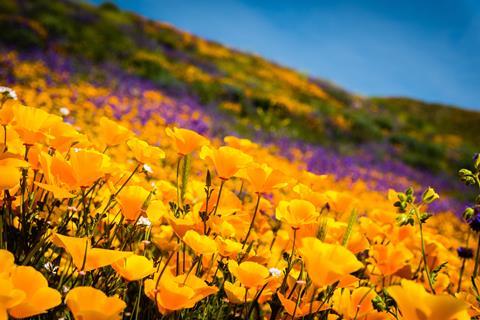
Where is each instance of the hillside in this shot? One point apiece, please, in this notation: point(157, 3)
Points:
point(254, 97)
point(146, 173)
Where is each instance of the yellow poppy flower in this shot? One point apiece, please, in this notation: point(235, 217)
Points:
point(87, 303)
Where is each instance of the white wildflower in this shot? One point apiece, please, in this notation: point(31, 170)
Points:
point(144, 221)
point(147, 168)
point(275, 272)
point(51, 267)
point(8, 92)
point(64, 111)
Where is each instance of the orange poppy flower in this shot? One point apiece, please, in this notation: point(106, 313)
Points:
point(38, 296)
point(228, 248)
point(226, 160)
point(186, 141)
point(296, 213)
point(263, 178)
point(9, 297)
point(6, 112)
point(110, 133)
point(86, 258)
point(201, 244)
point(87, 303)
point(87, 166)
point(131, 200)
point(176, 293)
point(134, 267)
point(156, 211)
point(390, 258)
point(31, 123)
point(145, 153)
point(61, 136)
point(327, 263)
point(241, 144)
point(52, 179)
point(236, 293)
point(249, 273)
point(7, 263)
point(300, 310)
point(356, 303)
point(10, 172)
point(415, 303)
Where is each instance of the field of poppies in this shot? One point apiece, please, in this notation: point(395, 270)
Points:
point(130, 191)
point(111, 209)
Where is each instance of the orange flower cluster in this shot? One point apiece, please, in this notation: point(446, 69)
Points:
point(173, 223)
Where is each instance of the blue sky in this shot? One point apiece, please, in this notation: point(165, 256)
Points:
point(418, 48)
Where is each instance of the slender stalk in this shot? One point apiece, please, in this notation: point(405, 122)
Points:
point(245, 303)
point(137, 302)
point(5, 148)
point(178, 181)
point(462, 269)
point(113, 196)
point(296, 304)
point(128, 179)
point(290, 262)
point(253, 221)
point(477, 256)
point(424, 255)
point(218, 198)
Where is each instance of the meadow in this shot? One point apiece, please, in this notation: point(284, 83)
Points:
point(174, 188)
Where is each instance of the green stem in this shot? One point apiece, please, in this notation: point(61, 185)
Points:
point(424, 255)
point(253, 221)
point(178, 181)
point(462, 269)
point(290, 262)
point(137, 303)
point(5, 148)
point(218, 198)
point(477, 254)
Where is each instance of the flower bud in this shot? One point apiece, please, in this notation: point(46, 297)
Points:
point(429, 195)
point(468, 213)
point(476, 161)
